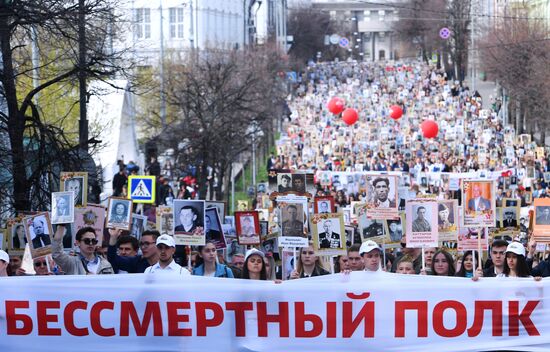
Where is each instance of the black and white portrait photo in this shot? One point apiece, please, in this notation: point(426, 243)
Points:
point(62, 207)
point(68, 237)
point(189, 216)
point(420, 222)
point(284, 182)
point(292, 220)
point(382, 191)
point(371, 228)
point(220, 206)
point(119, 213)
point(18, 239)
point(76, 182)
point(299, 183)
point(395, 229)
point(38, 229)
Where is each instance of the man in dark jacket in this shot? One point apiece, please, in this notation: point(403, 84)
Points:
point(138, 263)
point(498, 256)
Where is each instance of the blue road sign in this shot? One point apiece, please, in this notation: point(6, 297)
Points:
point(344, 42)
point(142, 189)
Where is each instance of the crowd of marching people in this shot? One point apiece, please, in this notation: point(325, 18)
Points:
point(471, 139)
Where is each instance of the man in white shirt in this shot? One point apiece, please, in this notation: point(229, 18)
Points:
point(166, 264)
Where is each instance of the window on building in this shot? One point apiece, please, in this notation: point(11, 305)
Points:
point(142, 23)
point(176, 22)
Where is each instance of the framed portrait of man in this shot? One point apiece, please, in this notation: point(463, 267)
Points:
point(395, 229)
point(165, 220)
point(382, 196)
point(323, 205)
point(189, 218)
point(38, 229)
point(479, 204)
point(509, 217)
point(421, 229)
point(213, 228)
point(119, 213)
point(329, 234)
point(292, 219)
point(248, 227)
point(299, 183)
point(541, 223)
point(76, 182)
point(243, 205)
point(62, 207)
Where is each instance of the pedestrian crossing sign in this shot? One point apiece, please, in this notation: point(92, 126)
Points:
point(142, 189)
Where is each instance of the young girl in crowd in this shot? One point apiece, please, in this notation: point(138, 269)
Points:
point(467, 268)
point(206, 264)
point(515, 264)
point(308, 264)
point(443, 264)
point(254, 266)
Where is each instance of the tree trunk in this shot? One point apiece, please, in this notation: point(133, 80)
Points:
point(16, 123)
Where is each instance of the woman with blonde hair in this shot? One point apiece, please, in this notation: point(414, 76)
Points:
point(308, 264)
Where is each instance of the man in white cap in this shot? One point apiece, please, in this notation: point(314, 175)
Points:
point(4, 262)
point(166, 265)
point(371, 254)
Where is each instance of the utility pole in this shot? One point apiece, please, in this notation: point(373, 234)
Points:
point(83, 123)
point(161, 71)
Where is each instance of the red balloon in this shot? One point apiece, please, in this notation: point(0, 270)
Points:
point(430, 129)
point(336, 105)
point(396, 112)
point(350, 116)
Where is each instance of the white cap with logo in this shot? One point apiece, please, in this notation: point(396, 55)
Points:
point(368, 246)
point(517, 248)
point(166, 240)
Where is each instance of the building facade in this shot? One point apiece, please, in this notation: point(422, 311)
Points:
point(156, 27)
point(367, 26)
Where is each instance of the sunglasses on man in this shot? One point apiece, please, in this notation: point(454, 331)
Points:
point(40, 264)
point(88, 241)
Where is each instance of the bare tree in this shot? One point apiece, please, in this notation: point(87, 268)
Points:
point(308, 26)
point(516, 54)
point(223, 99)
point(35, 150)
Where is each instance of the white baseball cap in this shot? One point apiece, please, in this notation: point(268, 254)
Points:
point(368, 246)
point(517, 248)
point(4, 256)
point(166, 240)
point(253, 251)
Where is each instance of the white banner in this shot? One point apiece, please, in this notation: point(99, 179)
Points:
point(362, 311)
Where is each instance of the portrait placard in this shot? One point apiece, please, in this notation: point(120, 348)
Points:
point(248, 227)
point(76, 182)
point(38, 230)
point(119, 213)
point(292, 219)
point(370, 229)
point(479, 207)
point(447, 220)
point(421, 216)
point(469, 238)
point(323, 205)
point(165, 220)
point(16, 235)
point(138, 225)
point(329, 235)
point(395, 228)
point(382, 197)
point(189, 222)
point(69, 236)
point(213, 228)
point(541, 223)
point(220, 206)
point(62, 207)
point(93, 215)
